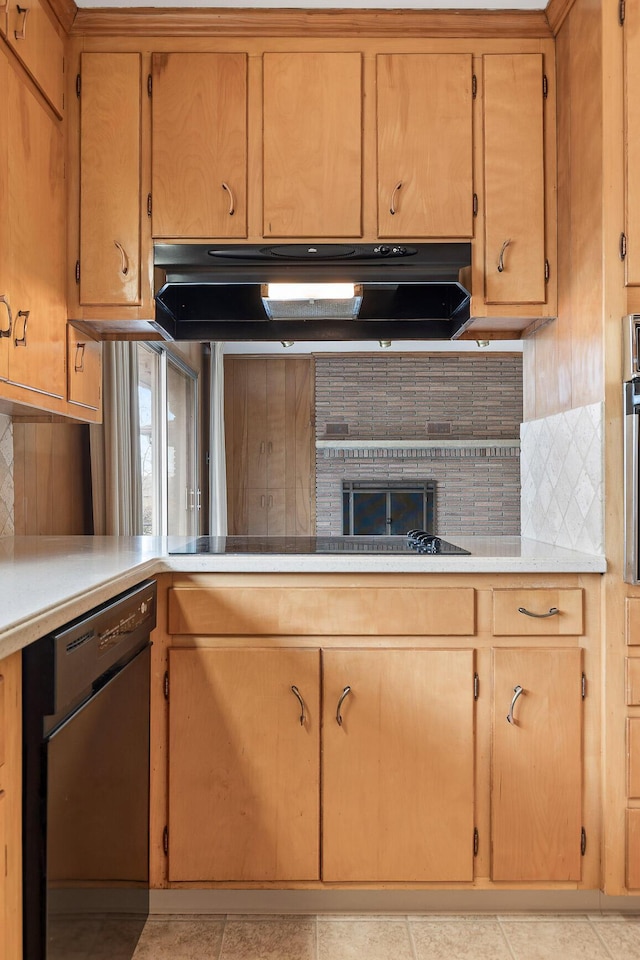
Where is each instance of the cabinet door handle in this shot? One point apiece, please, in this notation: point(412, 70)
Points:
point(124, 269)
point(345, 693)
point(297, 693)
point(501, 255)
point(270, 501)
point(21, 34)
point(517, 692)
point(7, 332)
point(78, 363)
point(232, 205)
point(552, 612)
point(270, 448)
point(262, 447)
point(262, 500)
point(394, 193)
point(22, 341)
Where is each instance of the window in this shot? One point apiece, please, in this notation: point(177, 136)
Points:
point(168, 431)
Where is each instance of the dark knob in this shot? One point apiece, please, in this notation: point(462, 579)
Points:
point(384, 250)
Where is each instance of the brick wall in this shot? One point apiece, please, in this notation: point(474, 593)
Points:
point(431, 400)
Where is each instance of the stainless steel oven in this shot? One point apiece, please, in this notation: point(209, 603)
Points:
point(631, 407)
point(86, 782)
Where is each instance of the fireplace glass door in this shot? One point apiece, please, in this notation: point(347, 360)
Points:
point(387, 509)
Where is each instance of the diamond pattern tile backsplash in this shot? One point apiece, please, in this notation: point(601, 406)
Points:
point(6, 476)
point(562, 479)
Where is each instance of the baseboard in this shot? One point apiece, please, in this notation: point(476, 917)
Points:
point(387, 901)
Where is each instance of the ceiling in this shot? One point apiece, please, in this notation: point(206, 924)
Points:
point(342, 4)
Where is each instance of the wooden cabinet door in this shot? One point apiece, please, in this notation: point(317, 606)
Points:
point(84, 370)
point(199, 148)
point(312, 159)
point(398, 771)
point(425, 145)
point(632, 141)
point(6, 312)
point(36, 215)
point(3, 877)
point(10, 808)
point(244, 772)
point(34, 38)
point(110, 198)
point(514, 178)
point(536, 764)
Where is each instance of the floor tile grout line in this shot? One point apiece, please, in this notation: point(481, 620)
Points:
point(505, 937)
point(594, 927)
point(412, 942)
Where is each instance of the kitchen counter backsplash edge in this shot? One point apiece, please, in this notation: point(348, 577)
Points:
point(49, 581)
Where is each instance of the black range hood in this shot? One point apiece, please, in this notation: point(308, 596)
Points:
point(403, 291)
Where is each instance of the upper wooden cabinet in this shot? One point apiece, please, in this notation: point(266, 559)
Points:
point(514, 179)
point(31, 33)
point(632, 141)
point(199, 152)
point(424, 145)
point(110, 198)
point(84, 370)
point(32, 355)
point(312, 160)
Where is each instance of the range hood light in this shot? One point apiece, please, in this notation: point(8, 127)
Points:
point(309, 291)
point(311, 301)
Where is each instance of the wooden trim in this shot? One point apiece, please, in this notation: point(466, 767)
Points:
point(228, 22)
point(557, 12)
point(65, 12)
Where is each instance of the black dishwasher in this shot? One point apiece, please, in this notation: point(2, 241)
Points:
point(86, 782)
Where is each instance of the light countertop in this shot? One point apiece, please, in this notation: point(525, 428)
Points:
point(48, 581)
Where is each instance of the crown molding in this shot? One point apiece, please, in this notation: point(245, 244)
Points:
point(65, 12)
point(557, 12)
point(281, 22)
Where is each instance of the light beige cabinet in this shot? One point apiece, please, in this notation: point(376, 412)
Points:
point(312, 144)
point(424, 135)
point(10, 808)
point(33, 345)
point(536, 764)
point(269, 445)
point(199, 146)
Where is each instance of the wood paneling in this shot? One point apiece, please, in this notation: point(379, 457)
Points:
point(509, 621)
point(397, 776)
point(424, 139)
point(52, 494)
point(199, 148)
point(390, 611)
point(312, 152)
point(243, 766)
point(536, 785)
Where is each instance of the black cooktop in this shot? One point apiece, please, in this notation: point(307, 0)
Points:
point(315, 545)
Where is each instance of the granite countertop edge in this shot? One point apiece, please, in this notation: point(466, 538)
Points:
point(49, 581)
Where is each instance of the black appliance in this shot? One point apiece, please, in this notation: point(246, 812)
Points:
point(86, 782)
point(403, 291)
point(312, 545)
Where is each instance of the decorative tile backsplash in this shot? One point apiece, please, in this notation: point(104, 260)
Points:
point(6, 476)
point(562, 479)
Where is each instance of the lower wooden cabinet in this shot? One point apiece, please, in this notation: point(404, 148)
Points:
point(536, 786)
point(10, 808)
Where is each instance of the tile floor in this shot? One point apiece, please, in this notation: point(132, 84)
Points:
point(393, 937)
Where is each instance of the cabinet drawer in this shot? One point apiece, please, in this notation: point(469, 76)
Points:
point(633, 757)
point(35, 40)
point(633, 849)
point(329, 611)
point(3, 722)
point(632, 621)
point(530, 612)
point(633, 681)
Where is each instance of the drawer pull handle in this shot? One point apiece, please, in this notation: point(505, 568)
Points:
point(297, 693)
point(553, 611)
point(7, 332)
point(501, 256)
point(22, 341)
point(345, 693)
point(22, 33)
point(517, 692)
point(232, 203)
point(394, 192)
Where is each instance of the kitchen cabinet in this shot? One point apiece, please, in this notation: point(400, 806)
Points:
point(631, 33)
point(110, 187)
point(36, 40)
point(269, 445)
point(84, 370)
point(312, 144)
point(199, 147)
point(515, 260)
point(398, 765)
point(424, 145)
point(244, 764)
point(538, 612)
point(32, 352)
point(536, 764)
point(10, 808)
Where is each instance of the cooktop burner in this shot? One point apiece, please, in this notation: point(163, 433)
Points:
point(319, 545)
